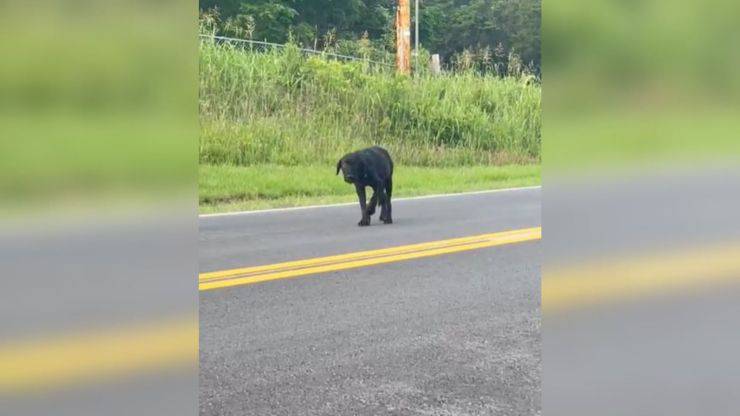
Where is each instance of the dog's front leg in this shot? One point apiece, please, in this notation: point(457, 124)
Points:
point(361, 196)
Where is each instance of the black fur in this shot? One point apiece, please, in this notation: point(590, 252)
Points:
point(371, 167)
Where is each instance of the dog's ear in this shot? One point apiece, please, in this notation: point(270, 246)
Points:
point(339, 166)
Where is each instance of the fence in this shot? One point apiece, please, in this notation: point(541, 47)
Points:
point(265, 45)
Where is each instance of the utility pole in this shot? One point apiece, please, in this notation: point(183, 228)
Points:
point(403, 36)
point(416, 35)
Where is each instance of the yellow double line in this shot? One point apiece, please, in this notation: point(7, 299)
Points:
point(108, 353)
point(621, 279)
point(258, 274)
point(91, 356)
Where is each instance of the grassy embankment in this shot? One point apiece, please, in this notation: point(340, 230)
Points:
point(273, 125)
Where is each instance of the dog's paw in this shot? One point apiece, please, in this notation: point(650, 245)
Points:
point(371, 211)
point(388, 220)
point(364, 222)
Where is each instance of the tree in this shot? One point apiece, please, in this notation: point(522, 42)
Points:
point(447, 27)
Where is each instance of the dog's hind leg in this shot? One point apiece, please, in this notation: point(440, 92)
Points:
point(383, 200)
point(385, 215)
point(373, 202)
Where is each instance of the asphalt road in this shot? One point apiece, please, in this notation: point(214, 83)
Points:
point(76, 296)
point(671, 352)
point(445, 335)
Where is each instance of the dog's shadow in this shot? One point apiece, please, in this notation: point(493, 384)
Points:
point(376, 223)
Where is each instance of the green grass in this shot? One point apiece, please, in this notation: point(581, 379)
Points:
point(625, 138)
point(225, 188)
point(284, 108)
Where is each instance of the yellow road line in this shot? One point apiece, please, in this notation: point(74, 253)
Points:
point(83, 358)
point(35, 365)
point(251, 275)
point(91, 357)
point(631, 278)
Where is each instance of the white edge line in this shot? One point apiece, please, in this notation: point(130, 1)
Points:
point(261, 211)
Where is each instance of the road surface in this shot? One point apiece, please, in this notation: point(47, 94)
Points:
point(655, 331)
point(448, 334)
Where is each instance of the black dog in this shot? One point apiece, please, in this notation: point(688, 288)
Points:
point(371, 167)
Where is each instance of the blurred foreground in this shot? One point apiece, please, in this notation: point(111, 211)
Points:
point(641, 281)
point(98, 127)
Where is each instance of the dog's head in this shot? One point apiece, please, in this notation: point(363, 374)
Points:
point(352, 168)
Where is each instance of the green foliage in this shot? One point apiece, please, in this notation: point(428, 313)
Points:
point(229, 188)
point(273, 20)
point(512, 27)
point(281, 107)
point(447, 27)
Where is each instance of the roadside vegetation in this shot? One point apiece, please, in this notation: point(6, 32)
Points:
point(274, 122)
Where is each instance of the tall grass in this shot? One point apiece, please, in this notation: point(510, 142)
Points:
point(279, 106)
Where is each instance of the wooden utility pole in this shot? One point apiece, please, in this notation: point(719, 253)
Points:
point(403, 36)
point(416, 36)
